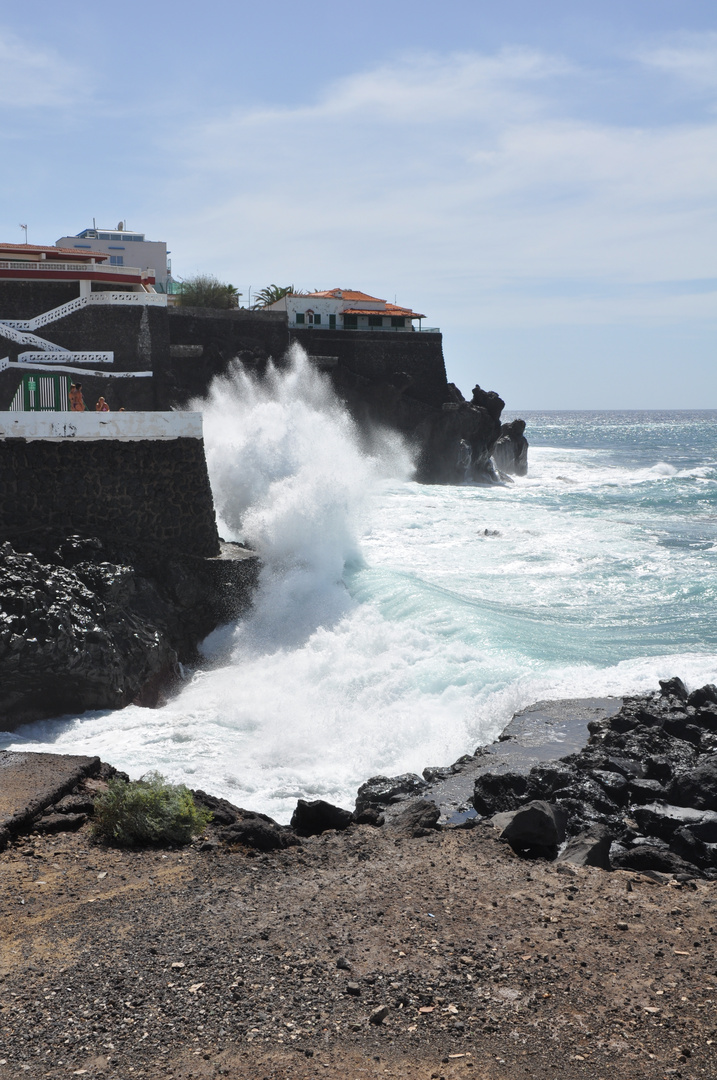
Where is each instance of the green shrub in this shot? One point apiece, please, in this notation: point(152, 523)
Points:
point(146, 812)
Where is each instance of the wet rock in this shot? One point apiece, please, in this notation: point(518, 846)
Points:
point(383, 790)
point(510, 453)
point(673, 688)
point(495, 792)
point(313, 818)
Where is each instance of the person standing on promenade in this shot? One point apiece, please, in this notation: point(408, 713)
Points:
point(77, 403)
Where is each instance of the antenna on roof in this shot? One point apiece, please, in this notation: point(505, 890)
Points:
point(25, 228)
point(94, 223)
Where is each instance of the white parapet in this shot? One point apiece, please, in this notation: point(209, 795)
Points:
point(121, 426)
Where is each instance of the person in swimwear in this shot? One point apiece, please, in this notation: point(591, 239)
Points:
point(77, 403)
point(102, 406)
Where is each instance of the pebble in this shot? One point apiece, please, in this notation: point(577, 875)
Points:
point(378, 1015)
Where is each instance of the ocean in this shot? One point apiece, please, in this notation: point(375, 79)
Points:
point(399, 625)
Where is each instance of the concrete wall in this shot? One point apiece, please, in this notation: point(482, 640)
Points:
point(151, 492)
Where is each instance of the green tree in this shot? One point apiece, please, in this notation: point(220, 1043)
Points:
point(271, 294)
point(205, 290)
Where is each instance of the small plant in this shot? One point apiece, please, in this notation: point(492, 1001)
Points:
point(147, 812)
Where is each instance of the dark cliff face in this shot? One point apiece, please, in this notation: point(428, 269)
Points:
point(92, 625)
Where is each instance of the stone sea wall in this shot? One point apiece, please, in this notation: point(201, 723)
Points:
point(153, 491)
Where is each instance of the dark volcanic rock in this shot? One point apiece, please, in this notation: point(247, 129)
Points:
point(313, 818)
point(510, 453)
point(647, 780)
point(590, 848)
point(87, 625)
point(382, 790)
point(496, 792)
point(698, 787)
point(537, 828)
point(260, 832)
point(418, 817)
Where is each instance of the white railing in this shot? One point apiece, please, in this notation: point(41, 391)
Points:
point(66, 358)
point(74, 267)
point(151, 299)
point(427, 329)
point(22, 338)
point(4, 363)
point(68, 369)
point(79, 302)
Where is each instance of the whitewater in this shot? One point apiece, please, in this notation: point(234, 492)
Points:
point(399, 625)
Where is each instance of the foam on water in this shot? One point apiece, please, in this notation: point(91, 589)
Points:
point(398, 625)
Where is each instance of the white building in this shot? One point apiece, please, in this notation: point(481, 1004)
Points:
point(344, 309)
point(125, 248)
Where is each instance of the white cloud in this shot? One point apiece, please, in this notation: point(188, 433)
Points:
point(32, 77)
point(464, 183)
point(693, 59)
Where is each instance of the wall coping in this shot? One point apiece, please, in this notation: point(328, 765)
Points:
point(121, 427)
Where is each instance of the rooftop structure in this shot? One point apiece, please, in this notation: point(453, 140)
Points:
point(34, 262)
point(124, 246)
point(345, 309)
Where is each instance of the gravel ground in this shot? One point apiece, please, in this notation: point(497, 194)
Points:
point(209, 962)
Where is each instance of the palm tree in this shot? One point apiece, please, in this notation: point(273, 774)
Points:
point(269, 295)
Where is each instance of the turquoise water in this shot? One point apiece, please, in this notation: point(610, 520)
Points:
point(400, 625)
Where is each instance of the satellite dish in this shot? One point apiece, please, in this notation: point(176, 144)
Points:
point(120, 226)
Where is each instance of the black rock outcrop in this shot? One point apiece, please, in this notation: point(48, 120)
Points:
point(510, 453)
point(646, 784)
point(89, 625)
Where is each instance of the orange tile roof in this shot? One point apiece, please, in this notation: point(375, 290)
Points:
point(390, 309)
point(347, 294)
point(51, 251)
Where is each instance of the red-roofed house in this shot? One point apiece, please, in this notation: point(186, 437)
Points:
point(344, 309)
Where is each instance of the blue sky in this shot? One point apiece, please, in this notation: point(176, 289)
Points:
point(539, 178)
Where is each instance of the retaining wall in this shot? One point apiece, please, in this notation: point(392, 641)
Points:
point(140, 486)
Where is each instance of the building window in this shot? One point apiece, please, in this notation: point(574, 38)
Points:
point(375, 320)
point(116, 247)
point(299, 318)
point(398, 320)
point(116, 260)
point(88, 246)
point(350, 322)
point(332, 322)
point(317, 320)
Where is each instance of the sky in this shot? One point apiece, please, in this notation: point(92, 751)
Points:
point(539, 179)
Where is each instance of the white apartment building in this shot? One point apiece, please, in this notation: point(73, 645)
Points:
point(125, 248)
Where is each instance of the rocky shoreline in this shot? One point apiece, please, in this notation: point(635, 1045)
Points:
point(407, 939)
